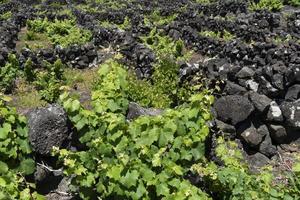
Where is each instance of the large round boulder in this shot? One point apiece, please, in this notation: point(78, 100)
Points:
point(48, 128)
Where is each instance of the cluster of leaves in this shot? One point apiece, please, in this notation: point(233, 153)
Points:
point(47, 82)
point(6, 15)
point(165, 46)
point(235, 181)
point(154, 93)
point(295, 3)
point(156, 19)
point(224, 35)
point(64, 32)
point(8, 74)
point(142, 159)
point(15, 162)
point(3, 1)
point(271, 5)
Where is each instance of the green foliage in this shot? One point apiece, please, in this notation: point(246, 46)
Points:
point(295, 3)
point(8, 74)
point(143, 92)
point(165, 46)
point(205, 1)
point(30, 36)
point(48, 82)
point(6, 15)
point(142, 159)
point(272, 5)
point(111, 93)
point(235, 181)
point(156, 19)
point(29, 73)
point(14, 153)
point(62, 33)
point(38, 25)
point(3, 1)
point(224, 35)
point(154, 93)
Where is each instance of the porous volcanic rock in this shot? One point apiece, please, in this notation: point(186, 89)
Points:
point(233, 108)
point(291, 113)
point(48, 128)
point(135, 110)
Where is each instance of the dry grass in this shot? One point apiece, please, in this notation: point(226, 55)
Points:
point(25, 96)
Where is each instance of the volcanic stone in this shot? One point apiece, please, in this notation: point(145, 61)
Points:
point(226, 128)
point(291, 112)
point(245, 72)
point(293, 93)
point(48, 128)
point(251, 137)
point(233, 108)
point(260, 101)
point(266, 147)
point(274, 113)
point(232, 88)
point(278, 133)
point(135, 110)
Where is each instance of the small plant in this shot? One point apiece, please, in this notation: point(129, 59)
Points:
point(156, 19)
point(271, 5)
point(295, 3)
point(29, 73)
point(6, 16)
point(165, 46)
point(8, 74)
point(48, 82)
point(30, 36)
point(224, 35)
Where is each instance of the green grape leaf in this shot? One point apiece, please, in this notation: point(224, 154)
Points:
point(130, 178)
point(2, 182)
point(27, 166)
point(3, 167)
point(5, 130)
point(162, 189)
point(115, 172)
point(75, 106)
point(296, 167)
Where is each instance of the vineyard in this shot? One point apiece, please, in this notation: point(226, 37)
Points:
point(150, 99)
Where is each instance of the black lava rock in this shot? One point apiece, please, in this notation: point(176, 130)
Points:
point(274, 113)
point(278, 133)
point(233, 109)
point(261, 102)
point(135, 110)
point(266, 147)
point(293, 93)
point(291, 113)
point(251, 137)
point(48, 128)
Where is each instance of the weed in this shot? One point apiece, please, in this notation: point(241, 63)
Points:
point(224, 35)
point(271, 5)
